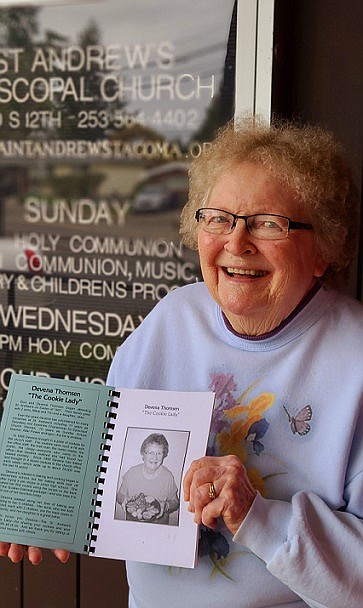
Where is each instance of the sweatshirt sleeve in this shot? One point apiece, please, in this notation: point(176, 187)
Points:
point(315, 551)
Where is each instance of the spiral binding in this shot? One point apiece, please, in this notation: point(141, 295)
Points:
point(101, 469)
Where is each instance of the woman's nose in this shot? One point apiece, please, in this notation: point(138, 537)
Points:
point(239, 241)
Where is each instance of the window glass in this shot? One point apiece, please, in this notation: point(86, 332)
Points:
point(102, 107)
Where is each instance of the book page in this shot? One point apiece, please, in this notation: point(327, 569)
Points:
point(156, 437)
point(49, 451)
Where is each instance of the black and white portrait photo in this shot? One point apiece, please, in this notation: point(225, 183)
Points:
point(150, 476)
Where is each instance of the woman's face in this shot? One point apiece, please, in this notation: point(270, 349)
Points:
point(153, 457)
point(257, 283)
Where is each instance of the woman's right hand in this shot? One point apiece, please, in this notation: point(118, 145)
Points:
point(17, 552)
point(233, 491)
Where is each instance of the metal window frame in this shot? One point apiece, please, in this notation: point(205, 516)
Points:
point(254, 57)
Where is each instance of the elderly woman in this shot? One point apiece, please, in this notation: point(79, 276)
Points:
point(151, 478)
point(279, 497)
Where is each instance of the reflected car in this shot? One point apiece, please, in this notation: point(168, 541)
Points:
point(17, 257)
point(152, 197)
point(162, 188)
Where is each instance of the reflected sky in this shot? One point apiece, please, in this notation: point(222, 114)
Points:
point(142, 20)
point(198, 32)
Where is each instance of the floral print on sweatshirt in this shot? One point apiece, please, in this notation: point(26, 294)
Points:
point(239, 425)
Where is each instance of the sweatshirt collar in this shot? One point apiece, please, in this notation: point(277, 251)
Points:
point(310, 309)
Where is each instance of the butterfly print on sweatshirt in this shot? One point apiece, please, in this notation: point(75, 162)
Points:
point(299, 423)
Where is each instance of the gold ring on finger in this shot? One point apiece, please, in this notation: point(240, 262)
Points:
point(212, 491)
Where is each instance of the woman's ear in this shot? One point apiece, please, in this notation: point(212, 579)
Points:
point(320, 265)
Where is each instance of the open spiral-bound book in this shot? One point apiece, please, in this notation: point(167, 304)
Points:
point(98, 470)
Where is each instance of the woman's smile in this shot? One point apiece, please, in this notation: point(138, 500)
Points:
point(244, 272)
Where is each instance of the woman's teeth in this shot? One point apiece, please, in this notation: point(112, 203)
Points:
point(250, 273)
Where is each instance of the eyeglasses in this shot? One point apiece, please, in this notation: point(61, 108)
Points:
point(267, 226)
point(153, 454)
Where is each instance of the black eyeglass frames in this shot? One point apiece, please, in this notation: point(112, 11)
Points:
point(268, 226)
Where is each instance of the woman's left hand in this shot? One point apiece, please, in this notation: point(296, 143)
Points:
point(233, 490)
point(17, 552)
point(163, 508)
